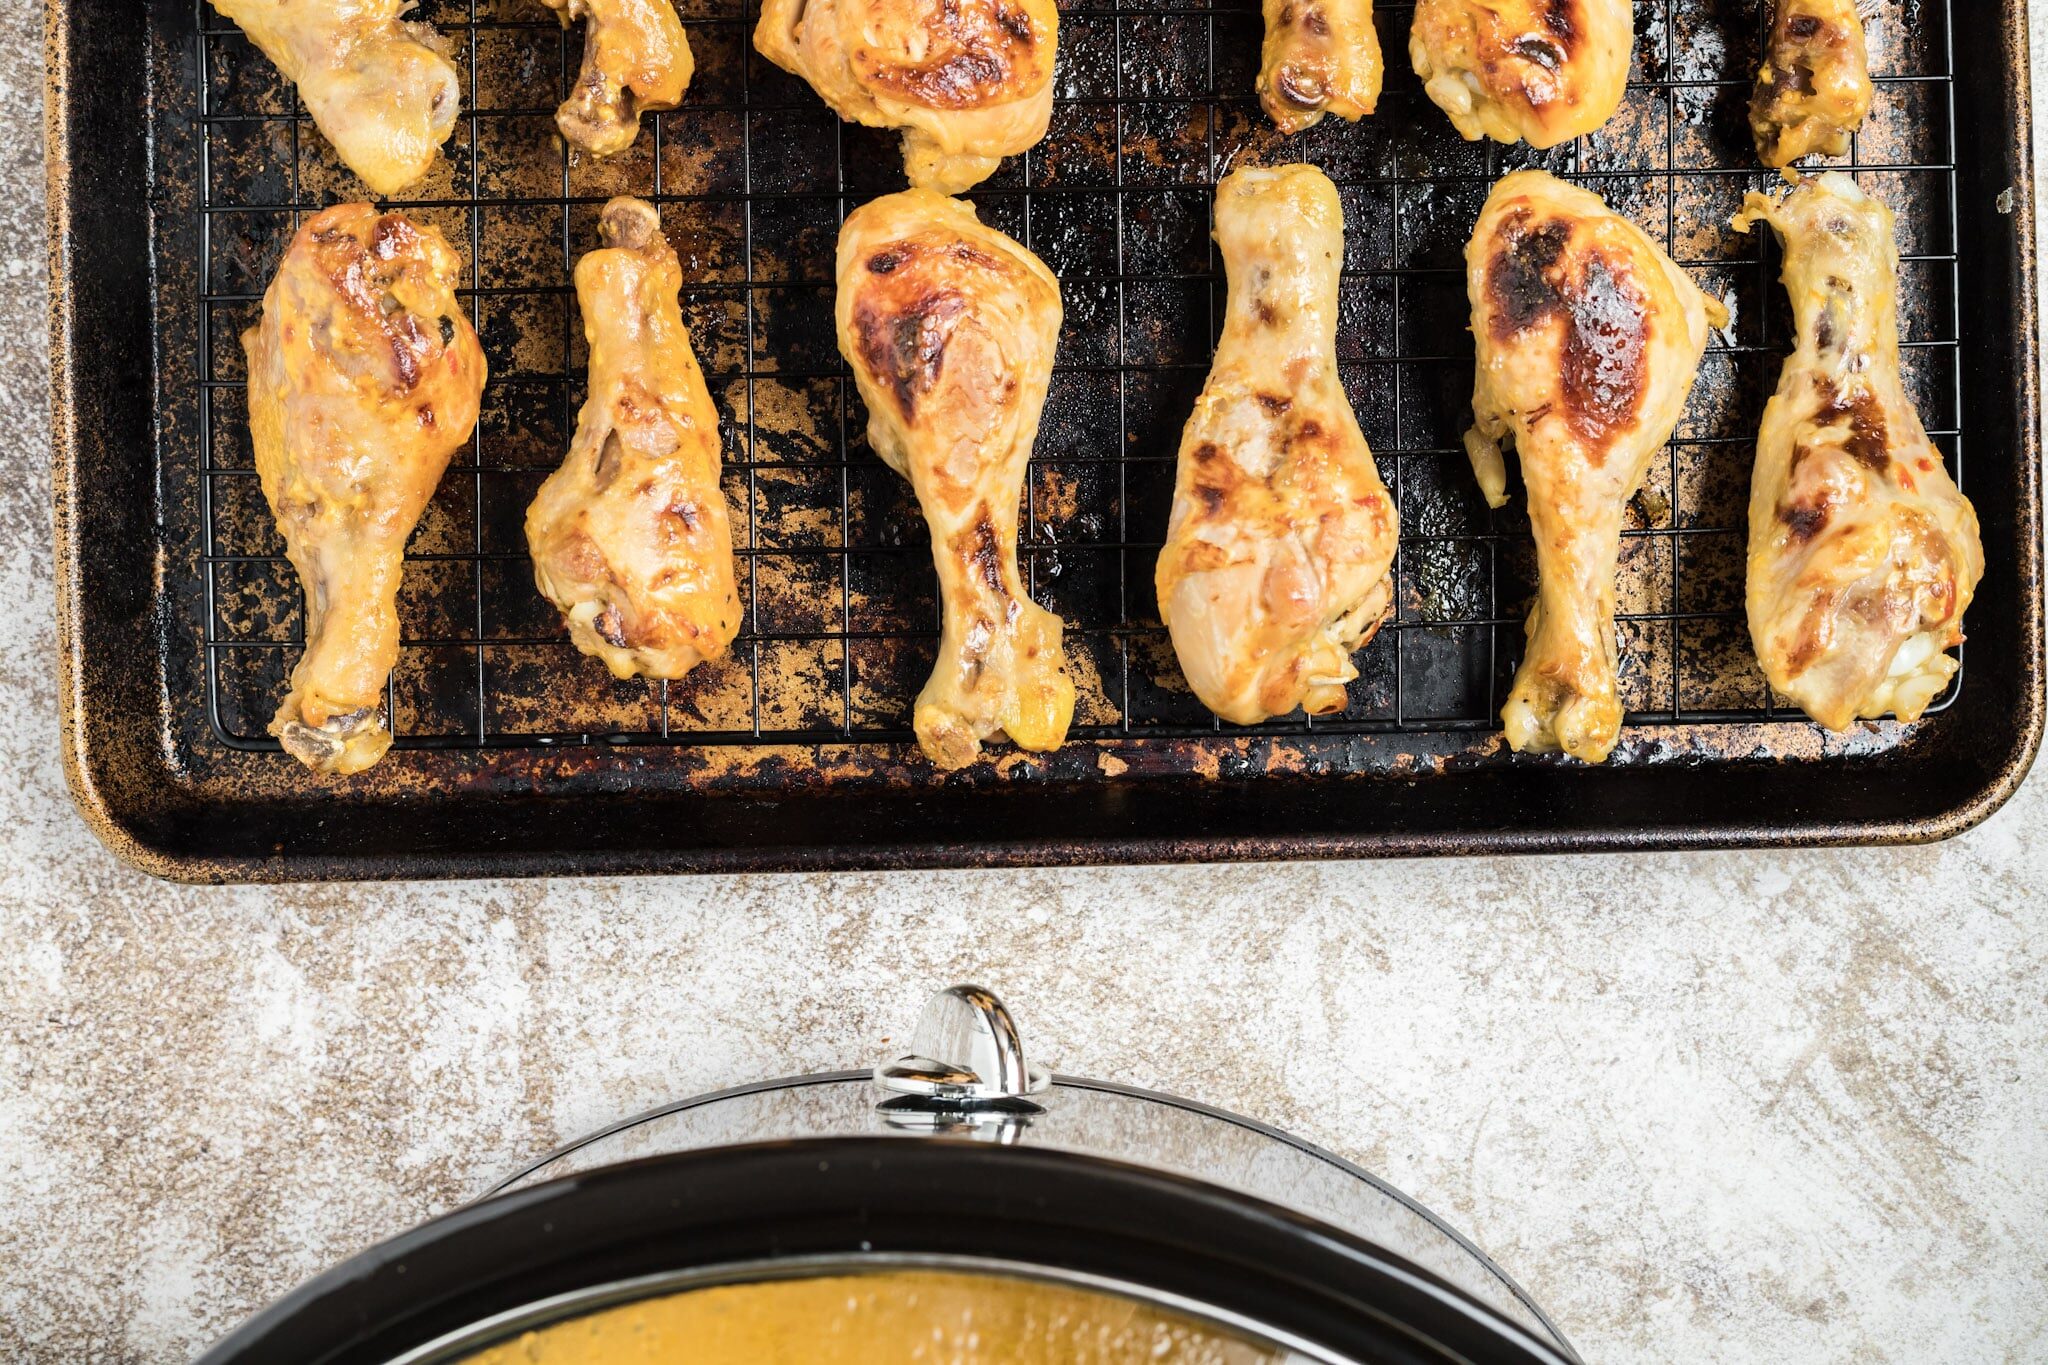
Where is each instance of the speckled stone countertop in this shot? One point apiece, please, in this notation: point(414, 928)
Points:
point(1783, 1107)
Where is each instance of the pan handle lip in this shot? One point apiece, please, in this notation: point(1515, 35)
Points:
point(2008, 166)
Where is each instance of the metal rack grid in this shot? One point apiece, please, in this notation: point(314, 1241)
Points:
point(753, 175)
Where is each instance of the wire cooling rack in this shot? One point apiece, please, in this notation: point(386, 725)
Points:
point(753, 176)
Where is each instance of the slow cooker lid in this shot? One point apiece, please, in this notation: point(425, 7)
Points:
point(1238, 1258)
point(966, 1076)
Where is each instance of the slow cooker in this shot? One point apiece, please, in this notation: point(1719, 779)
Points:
point(957, 1174)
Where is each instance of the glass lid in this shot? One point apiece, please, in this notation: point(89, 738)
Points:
point(967, 1079)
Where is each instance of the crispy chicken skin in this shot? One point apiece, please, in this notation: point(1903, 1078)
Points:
point(968, 81)
point(1281, 535)
point(1537, 71)
point(950, 328)
point(1321, 57)
point(1813, 87)
point(364, 378)
point(1588, 339)
point(630, 536)
point(636, 59)
point(379, 89)
point(1862, 553)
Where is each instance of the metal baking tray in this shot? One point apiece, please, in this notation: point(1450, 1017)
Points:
point(180, 163)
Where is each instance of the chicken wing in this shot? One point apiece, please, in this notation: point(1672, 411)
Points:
point(380, 89)
point(1862, 553)
point(1813, 88)
point(1321, 57)
point(950, 328)
point(364, 378)
point(630, 537)
point(1277, 550)
point(1589, 339)
point(1538, 71)
point(968, 81)
point(636, 59)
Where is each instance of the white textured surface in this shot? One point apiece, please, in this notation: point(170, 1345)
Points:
point(1784, 1107)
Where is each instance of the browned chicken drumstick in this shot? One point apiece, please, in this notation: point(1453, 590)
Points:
point(950, 327)
point(1535, 71)
point(380, 88)
point(1276, 560)
point(1321, 57)
point(1589, 338)
point(364, 378)
point(968, 81)
point(630, 537)
point(1813, 88)
point(1863, 555)
point(636, 60)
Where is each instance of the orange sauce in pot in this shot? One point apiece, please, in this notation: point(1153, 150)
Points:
point(894, 1318)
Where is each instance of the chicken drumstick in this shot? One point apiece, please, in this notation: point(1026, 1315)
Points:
point(1276, 558)
point(950, 327)
point(1862, 553)
point(364, 378)
point(630, 536)
point(1589, 339)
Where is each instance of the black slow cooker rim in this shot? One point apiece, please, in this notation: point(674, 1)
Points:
point(1062, 1082)
point(865, 1195)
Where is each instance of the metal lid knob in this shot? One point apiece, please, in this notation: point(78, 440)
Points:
point(965, 1054)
